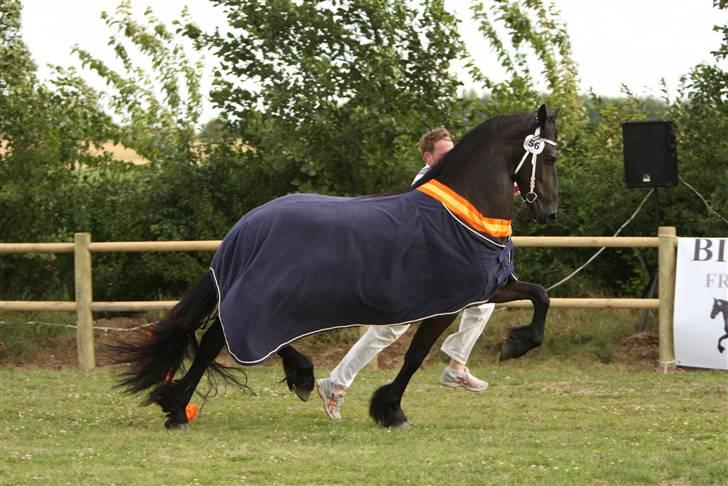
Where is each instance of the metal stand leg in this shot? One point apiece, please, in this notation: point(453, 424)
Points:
point(650, 294)
point(654, 279)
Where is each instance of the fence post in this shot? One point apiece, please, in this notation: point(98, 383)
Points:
point(84, 297)
point(667, 255)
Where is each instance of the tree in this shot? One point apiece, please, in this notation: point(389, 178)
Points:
point(156, 110)
point(700, 114)
point(52, 186)
point(331, 96)
point(46, 130)
point(535, 51)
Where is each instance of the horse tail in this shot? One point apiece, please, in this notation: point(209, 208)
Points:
point(154, 357)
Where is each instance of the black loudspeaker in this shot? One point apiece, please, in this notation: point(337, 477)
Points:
point(650, 154)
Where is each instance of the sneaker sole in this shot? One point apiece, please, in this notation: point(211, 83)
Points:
point(460, 385)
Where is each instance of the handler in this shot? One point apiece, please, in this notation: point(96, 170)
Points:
point(433, 145)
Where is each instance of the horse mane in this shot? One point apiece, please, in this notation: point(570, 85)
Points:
point(497, 126)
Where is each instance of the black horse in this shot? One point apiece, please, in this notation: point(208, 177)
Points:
point(305, 263)
point(719, 306)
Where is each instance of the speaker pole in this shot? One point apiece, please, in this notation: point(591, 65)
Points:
point(653, 280)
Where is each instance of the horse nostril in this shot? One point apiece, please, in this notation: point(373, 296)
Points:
point(552, 217)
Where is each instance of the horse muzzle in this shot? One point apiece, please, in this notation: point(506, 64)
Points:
point(543, 213)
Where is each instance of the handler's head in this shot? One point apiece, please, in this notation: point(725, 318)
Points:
point(434, 144)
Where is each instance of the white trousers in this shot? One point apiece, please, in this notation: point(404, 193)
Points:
point(457, 346)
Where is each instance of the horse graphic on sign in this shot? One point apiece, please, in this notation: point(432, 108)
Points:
point(719, 306)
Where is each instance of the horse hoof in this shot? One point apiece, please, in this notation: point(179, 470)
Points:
point(508, 351)
point(304, 395)
point(721, 349)
point(184, 426)
point(402, 426)
point(515, 347)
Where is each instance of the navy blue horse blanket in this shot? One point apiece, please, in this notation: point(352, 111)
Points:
point(306, 263)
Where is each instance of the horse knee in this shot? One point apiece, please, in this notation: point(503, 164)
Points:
point(541, 298)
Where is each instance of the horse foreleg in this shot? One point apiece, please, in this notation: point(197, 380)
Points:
point(522, 339)
point(299, 372)
point(174, 395)
point(385, 407)
point(721, 348)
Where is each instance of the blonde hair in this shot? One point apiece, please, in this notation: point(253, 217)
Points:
point(428, 140)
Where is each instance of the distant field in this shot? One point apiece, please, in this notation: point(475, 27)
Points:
point(121, 153)
point(118, 151)
point(541, 422)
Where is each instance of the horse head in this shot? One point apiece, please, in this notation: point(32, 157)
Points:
point(716, 309)
point(535, 174)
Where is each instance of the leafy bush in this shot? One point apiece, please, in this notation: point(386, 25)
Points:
point(335, 105)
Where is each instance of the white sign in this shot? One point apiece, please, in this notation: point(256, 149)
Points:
point(700, 324)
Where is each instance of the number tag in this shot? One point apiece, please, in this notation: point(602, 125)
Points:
point(533, 144)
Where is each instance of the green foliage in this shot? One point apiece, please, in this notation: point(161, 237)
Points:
point(701, 118)
point(323, 97)
point(157, 110)
point(53, 186)
point(47, 129)
point(536, 55)
point(333, 96)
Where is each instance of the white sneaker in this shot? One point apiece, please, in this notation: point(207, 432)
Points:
point(456, 378)
point(332, 396)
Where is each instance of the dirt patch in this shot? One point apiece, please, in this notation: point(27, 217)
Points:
point(108, 331)
point(640, 347)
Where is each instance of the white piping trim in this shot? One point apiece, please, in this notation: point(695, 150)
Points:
point(219, 313)
point(258, 361)
point(471, 229)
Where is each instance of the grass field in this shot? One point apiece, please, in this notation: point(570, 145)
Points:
point(540, 422)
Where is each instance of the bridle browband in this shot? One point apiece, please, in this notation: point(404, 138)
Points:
point(534, 145)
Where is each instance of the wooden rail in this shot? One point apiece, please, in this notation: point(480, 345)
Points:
point(84, 305)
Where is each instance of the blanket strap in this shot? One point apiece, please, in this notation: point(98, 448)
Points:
point(463, 209)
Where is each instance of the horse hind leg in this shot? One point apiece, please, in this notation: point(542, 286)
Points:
point(173, 396)
point(299, 372)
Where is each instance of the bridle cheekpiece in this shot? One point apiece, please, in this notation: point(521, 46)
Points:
point(534, 145)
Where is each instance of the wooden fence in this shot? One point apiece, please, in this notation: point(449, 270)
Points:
point(84, 305)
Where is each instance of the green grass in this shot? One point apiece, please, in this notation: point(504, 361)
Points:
point(541, 422)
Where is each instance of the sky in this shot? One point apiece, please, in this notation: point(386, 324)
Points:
point(636, 42)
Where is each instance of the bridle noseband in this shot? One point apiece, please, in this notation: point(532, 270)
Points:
point(534, 145)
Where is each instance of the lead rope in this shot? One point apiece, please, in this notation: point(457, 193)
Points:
point(534, 145)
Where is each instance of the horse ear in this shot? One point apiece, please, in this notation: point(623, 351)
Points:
point(542, 116)
point(555, 113)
